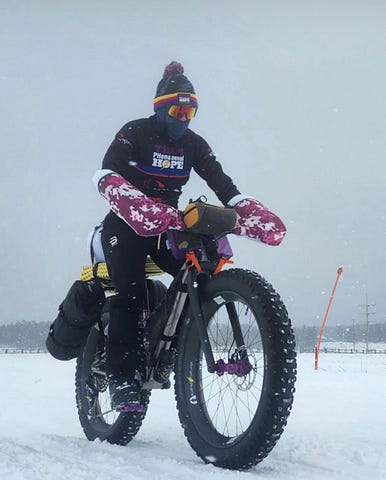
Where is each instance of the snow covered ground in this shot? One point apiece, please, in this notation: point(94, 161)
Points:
point(336, 430)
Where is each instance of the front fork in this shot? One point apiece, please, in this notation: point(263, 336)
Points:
point(238, 366)
point(190, 279)
point(195, 305)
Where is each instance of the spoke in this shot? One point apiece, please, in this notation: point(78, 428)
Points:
point(218, 333)
point(214, 417)
point(249, 332)
point(253, 395)
point(232, 400)
point(224, 412)
point(257, 334)
point(233, 407)
point(239, 418)
point(248, 408)
point(102, 414)
point(212, 384)
point(223, 389)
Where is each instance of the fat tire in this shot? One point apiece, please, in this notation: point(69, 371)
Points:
point(126, 424)
point(276, 398)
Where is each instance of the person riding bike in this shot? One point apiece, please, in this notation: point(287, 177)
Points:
point(142, 175)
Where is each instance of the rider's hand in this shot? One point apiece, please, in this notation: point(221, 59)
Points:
point(256, 221)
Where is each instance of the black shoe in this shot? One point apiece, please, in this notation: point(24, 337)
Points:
point(125, 395)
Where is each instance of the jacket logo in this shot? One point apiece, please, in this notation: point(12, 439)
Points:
point(122, 139)
point(113, 241)
point(164, 161)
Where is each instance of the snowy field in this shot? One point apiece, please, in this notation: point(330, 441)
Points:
point(337, 429)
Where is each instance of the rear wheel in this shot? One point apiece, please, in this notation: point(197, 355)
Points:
point(92, 394)
point(93, 400)
point(234, 416)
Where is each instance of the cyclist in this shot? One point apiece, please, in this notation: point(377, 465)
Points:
point(143, 172)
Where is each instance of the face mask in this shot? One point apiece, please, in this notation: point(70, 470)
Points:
point(175, 128)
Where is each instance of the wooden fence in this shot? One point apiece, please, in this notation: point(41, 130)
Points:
point(352, 350)
point(11, 350)
point(343, 350)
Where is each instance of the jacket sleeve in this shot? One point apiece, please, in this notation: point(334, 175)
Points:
point(209, 169)
point(120, 156)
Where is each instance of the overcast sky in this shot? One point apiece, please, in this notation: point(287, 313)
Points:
point(291, 99)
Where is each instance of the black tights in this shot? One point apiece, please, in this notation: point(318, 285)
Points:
point(126, 253)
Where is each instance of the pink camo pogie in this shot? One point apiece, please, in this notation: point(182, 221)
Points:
point(141, 213)
point(256, 221)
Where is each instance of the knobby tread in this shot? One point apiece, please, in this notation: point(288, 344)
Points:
point(280, 346)
point(127, 424)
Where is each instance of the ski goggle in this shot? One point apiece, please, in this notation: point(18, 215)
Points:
point(180, 112)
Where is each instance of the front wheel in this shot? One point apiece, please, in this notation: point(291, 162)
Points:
point(234, 416)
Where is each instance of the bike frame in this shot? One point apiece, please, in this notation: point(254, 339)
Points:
point(185, 293)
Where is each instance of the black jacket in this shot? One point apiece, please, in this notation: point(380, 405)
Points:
point(146, 157)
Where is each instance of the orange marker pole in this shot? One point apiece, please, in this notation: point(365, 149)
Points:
point(339, 273)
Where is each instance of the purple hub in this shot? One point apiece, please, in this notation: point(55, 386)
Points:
point(239, 367)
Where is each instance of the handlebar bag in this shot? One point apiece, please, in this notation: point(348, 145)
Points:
point(200, 217)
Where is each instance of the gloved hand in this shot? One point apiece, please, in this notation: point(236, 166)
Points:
point(141, 213)
point(256, 221)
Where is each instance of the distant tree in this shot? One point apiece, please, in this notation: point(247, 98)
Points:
point(24, 334)
point(306, 337)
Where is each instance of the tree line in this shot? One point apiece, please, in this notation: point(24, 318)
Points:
point(32, 335)
point(307, 336)
point(29, 335)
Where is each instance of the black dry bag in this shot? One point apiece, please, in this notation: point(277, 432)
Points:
point(78, 312)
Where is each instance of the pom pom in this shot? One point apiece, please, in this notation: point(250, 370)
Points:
point(174, 68)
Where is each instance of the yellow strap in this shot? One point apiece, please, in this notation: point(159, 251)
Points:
point(87, 273)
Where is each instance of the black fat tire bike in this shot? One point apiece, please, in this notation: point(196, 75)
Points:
point(227, 337)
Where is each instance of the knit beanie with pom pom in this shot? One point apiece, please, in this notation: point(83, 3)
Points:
point(174, 88)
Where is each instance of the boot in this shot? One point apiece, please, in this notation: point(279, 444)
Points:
point(125, 355)
point(125, 394)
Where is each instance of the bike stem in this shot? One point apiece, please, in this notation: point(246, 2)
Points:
point(195, 304)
